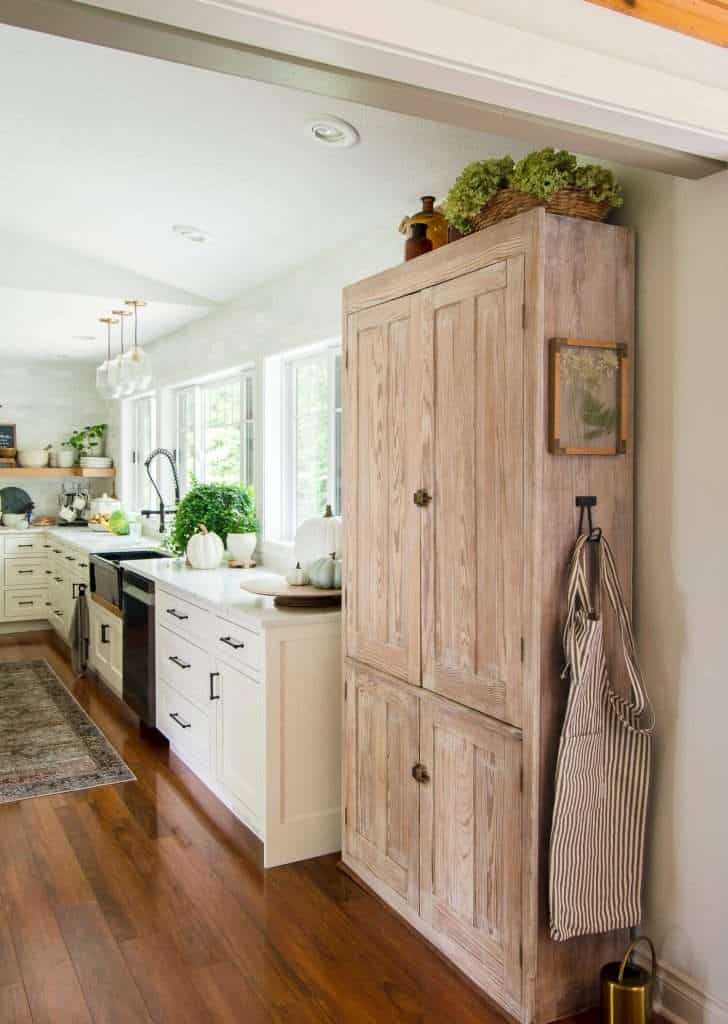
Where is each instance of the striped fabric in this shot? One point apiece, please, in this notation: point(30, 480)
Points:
point(602, 771)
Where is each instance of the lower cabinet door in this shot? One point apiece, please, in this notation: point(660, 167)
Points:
point(241, 740)
point(382, 796)
point(470, 820)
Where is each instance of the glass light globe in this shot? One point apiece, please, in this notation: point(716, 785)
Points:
point(115, 378)
point(140, 368)
point(103, 384)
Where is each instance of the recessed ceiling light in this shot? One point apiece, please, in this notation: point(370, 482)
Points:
point(191, 233)
point(84, 337)
point(332, 131)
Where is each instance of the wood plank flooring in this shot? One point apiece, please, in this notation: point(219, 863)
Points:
point(146, 901)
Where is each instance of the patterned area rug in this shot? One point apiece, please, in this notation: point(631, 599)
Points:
point(48, 744)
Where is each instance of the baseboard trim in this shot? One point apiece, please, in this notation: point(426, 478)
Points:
point(680, 999)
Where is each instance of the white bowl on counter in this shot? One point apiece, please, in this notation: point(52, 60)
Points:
point(15, 520)
point(33, 458)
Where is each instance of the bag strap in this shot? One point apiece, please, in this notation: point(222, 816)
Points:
point(640, 704)
point(578, 608)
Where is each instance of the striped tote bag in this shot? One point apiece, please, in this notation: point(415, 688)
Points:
point(603, 768)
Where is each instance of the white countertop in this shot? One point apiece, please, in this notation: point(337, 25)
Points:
point(83, 538)
point(219, 591)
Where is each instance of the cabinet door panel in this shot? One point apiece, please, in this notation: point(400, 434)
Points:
point(472, 539)
point(471, 840)
point(241, 733)
point(382, 798)
point(382, 467)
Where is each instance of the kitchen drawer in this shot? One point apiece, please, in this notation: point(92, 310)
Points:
point(26, 572)
point(187, 668)
point(188, 729)
point(26, 604)
point(24, 544)
point(182, 617)
point(238, 646)
point(81, 569)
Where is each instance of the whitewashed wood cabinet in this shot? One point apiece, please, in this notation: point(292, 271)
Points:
point(459, 524)
point(253, 705)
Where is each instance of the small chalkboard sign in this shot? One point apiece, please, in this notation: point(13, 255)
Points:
point(7, 435)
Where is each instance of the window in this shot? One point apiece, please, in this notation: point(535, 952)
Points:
point(144, 441)
point(312, 414)
point(216, 430)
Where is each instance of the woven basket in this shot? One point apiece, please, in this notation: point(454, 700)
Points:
point(568, 202)
point(504, 204)
point(572, 202)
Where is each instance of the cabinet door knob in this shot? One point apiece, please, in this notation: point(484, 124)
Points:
point(420, 773)
point(421, 498)
point(104, 637)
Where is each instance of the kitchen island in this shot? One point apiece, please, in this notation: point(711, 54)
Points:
point(249, 696)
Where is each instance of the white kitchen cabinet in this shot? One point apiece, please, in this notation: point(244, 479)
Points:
point(252, 704)
point(106, 645)
point(241, 741)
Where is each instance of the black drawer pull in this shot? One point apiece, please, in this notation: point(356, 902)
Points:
point(56, 551)
point(46, 546)
point(178, 661)
point(104, 636)
point(25, 545)
point(213, 695)
point(70, 558)
point(26, 602)
point(49, 572)
point(235, 644)
point(58, 579)
point(177, 615)
point(25, 572)
point(180, 721)
point(83, 565)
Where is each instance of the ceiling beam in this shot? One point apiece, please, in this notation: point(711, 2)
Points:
point(701, 19)
point(100, 26)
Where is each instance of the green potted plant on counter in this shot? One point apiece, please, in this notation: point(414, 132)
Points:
point(227, 510)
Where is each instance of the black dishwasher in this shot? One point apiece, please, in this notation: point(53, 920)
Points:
point(139, 688)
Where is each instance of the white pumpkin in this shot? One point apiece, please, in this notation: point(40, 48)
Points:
point(298, 577)
point(204, 549)
point(317, 538)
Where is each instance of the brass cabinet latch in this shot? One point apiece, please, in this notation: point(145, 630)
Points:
point(420, 773)
point(421, 498)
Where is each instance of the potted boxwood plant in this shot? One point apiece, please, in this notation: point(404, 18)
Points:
point(225, 509)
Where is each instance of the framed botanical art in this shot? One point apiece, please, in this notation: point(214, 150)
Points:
point(588, 384)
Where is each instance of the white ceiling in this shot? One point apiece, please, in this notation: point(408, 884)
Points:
point(104, 151)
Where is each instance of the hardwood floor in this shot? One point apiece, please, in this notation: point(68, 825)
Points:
point(146, 901)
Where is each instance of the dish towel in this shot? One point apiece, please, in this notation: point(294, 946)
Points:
point(602, 770)
point(80, 633)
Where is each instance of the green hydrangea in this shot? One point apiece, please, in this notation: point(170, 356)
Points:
point(476, 184)
point(544, 172)
point(599, 184)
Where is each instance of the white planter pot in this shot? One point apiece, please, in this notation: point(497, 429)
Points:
point(63, 458)
point(241, 546)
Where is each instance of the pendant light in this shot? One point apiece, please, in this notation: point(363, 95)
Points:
point(139, 361)
point(122, 381)
point(103, 379)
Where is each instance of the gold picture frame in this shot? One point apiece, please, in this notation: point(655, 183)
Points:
point(588, 397)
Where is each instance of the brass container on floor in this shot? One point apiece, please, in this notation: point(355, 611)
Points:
point(626, 989)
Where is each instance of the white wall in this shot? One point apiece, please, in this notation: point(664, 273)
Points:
point(681, 594)
point(47, 403)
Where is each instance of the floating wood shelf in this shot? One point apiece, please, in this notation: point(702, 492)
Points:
point(106, 474)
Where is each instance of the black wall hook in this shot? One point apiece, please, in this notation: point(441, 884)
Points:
point(585, 503)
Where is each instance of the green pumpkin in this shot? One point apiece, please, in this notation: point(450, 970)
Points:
point(323, 573)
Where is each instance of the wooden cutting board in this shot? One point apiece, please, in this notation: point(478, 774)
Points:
point(291, 597)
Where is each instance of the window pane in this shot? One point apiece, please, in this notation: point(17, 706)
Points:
point(186, 438)
point(249, 388)
point(249, 450)
point(144, 444)
point(222, 432)
point(311, 412)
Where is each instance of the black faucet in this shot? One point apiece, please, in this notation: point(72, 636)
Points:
point(147, 512)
